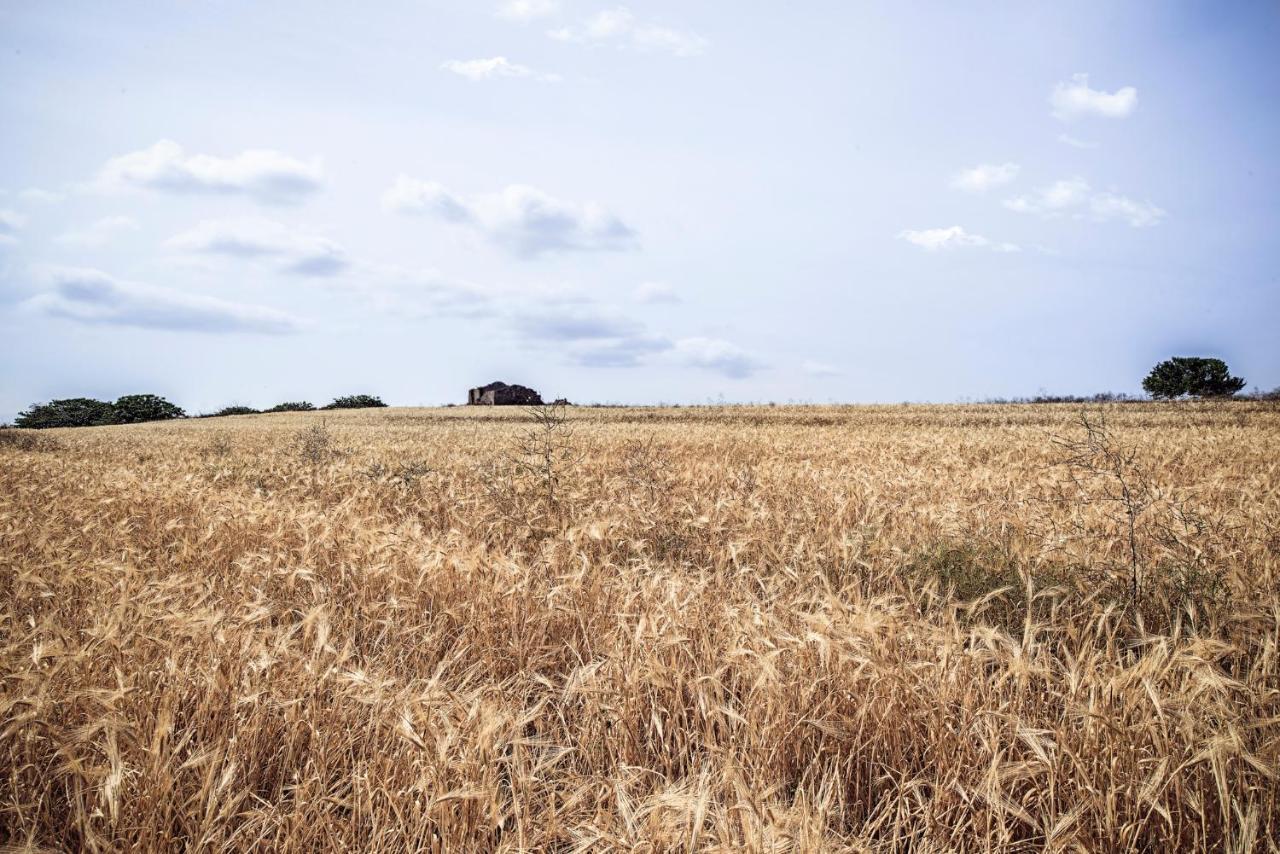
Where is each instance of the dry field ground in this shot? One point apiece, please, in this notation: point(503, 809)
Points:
point(748, 629)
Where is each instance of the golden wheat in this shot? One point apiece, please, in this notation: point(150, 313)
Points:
point(761, 629)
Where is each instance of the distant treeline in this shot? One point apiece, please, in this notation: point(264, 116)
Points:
point(1121, 397)
point(139, 408)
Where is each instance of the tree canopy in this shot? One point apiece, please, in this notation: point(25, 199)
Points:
point(87, 412)
point(355, 401)
point(1191, 376)
point(136, 408)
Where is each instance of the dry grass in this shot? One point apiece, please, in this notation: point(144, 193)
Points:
point(880, 628)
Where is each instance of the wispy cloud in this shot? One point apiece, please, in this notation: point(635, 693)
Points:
point(292, 251)
point(1074, 99)
point(494, 68)
point(93, 297)
point(1054, 198)
point(1074, 197)
point(1106, 206)
point(99, 233)
point(583, 332)
point(985, 176)
point(1067, 139)
point(621, 27)
point(528, 10)
point(574, 323)
point(625, 352)
point(819, 369)
point(423, 293)
point(10, 223)
point(39, 196)
point(714, 354)
point(523, 220)
point(954, 237)
point(263, 175)
point(655, 292)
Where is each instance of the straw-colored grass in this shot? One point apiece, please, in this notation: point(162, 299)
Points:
point(739, 629)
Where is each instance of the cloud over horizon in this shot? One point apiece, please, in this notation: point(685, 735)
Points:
point(714, 354)
point(294, 251)
point(523, 220)
point(94, 297)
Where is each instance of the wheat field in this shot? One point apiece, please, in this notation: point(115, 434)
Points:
point(895, 628)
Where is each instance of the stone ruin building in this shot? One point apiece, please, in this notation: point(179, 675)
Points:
point(501, 394)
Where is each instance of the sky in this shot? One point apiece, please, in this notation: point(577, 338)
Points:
point(247, 203)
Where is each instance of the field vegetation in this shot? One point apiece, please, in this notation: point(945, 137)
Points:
point(926, 628)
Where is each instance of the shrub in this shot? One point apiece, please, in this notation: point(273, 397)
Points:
point(25, 440)
point(235, 409)
point(69, 412)
point(316, 445)
point(137, 408)
point(293, 406)
point(356, 401)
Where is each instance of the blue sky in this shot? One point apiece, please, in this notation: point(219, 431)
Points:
point(246, 202)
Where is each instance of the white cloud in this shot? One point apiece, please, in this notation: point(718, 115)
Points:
point(1105, 206)
point(1067, 139)
point(100, 233)
point(1055, 198)
point(716, 355)
point(955, 237)
point(656, 292)
point(497, 66)
point(621, 27)
point(264, 175)
point(423, 293)
point(567, 322)
point(411, 196)
point(39, 196)
point(1075, 99)
point(1075, 197)
point(819, 369)
point(584, 332)
point(10, 223)
point(293, 251)
point(984, 177)
point(93, 297)
point(623, 352)
point(528, 10)
point(521, 219)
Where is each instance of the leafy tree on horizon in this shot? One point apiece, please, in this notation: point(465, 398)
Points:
point(356, 401)
point(68, 412)
point(137, 408)
point(1191, 376)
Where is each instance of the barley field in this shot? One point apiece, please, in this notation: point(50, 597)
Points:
point(893, 628)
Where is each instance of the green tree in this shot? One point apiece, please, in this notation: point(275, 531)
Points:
point(293, 406)
point(136, 408)
point(1192, 376)
point(68, 412)
point(356, 401)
